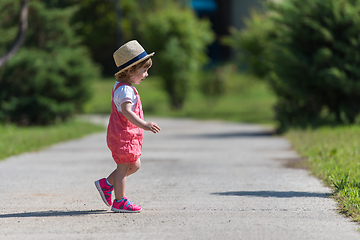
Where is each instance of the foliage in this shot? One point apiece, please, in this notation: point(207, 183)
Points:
point(216, 82)
point(99, 20)
point(179, 40)
point(252, 43)
point(213, 83)
point(9, 13)
point(97, 27)
point(333, 155)
point(309, 52)
point(46, 80)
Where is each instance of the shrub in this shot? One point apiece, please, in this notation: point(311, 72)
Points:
point(179, 40)
point(218, 81)
point(47, 79)
point(252, 43)
point(311, 60)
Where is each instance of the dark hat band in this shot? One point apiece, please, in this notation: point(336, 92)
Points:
point(135, 59)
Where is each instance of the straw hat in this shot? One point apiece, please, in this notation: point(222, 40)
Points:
point(130, 54)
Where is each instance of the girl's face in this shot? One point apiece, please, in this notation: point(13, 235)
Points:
point(139, 75)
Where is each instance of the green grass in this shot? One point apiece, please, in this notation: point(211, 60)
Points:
point(333, 155)
point(15, 140)
point(247, 99)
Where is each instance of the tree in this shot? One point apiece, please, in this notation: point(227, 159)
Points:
point(309, 53)
point(20, 36)
point(48, 79)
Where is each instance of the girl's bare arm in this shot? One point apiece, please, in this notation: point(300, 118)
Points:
point(134, 119)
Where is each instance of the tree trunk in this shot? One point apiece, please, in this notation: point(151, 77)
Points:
point(20, 36)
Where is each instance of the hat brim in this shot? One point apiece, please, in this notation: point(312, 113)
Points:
point(143, 59)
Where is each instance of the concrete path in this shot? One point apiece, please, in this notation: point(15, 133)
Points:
point(198, 180)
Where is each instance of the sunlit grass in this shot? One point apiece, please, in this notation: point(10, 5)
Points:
point(15, 140)
point(333, 155)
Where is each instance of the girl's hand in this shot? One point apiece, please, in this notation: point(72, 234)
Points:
point(151, 126)
point(134, 119)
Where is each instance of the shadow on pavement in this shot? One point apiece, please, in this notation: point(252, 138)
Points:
point(275, 194)
point(52, 214)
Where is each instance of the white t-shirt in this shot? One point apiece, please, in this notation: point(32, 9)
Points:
point(124, 93)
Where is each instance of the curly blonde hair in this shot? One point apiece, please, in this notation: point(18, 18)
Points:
point(125, 75)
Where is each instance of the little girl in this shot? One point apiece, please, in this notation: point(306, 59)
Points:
point(126, 124)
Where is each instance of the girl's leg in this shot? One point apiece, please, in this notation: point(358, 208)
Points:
point(133, 169)
point(111, 177)
point(120, 180)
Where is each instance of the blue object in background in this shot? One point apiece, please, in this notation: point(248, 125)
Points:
point(209, 9)
point(204, 5)
point(224, 14)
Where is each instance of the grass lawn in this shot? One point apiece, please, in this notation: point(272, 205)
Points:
point(15, 140)
point(333, 155)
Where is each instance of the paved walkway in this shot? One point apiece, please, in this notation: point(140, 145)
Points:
point(198, 180)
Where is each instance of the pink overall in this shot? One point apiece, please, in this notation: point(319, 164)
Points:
point(124, 139)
